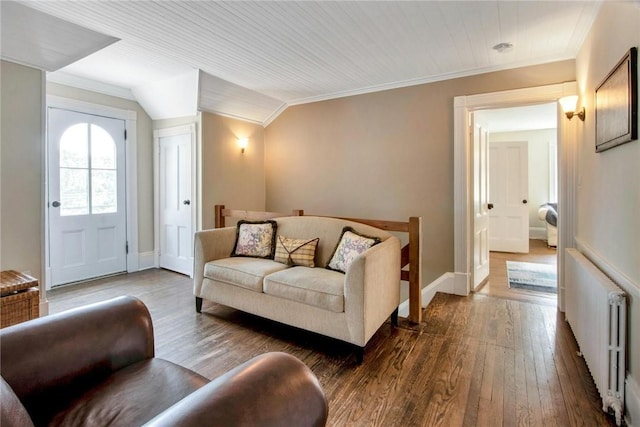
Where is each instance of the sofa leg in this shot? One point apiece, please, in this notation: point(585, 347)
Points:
point(198, 304)
point(359, 351)
point(394, 317)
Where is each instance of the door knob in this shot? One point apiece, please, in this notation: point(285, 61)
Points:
point(186, 202)
point(524, 201)
point(56, 204)
point(490, 206)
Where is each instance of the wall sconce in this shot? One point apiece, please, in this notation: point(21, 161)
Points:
point(568, 104)
point(243, 143)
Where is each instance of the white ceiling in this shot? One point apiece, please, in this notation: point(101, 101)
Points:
point(26, 38)
point(256, 58)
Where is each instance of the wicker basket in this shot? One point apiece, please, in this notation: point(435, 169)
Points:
point(19, 298)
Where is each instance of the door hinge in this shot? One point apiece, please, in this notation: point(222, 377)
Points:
point(125, 134)
point(126, 248)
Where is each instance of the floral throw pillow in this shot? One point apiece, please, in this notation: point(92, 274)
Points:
point(255, 239)
point(350, 246)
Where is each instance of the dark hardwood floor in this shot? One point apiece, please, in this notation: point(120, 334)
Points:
point(474, 361)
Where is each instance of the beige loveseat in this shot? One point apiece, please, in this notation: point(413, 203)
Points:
point(349, 307)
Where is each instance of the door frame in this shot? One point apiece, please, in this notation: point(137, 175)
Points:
point(195, 191)
point(463, 175)
point(131, 172)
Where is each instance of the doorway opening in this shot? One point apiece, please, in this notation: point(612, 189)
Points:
point(522, 177)
point(464, 215)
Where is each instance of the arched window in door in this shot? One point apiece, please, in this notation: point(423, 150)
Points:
point(88, 171)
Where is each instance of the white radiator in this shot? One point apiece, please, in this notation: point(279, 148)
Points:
point(596, 310)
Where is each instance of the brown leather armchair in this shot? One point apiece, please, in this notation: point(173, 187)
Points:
point(95, 365)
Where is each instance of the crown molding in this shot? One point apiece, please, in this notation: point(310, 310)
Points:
point(72, 80)
point(425, 80)
point(231, 116)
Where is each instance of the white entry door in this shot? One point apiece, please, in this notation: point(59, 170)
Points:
point(176, 198)
point(86, 201)
point(509, 187)
point(480, 205)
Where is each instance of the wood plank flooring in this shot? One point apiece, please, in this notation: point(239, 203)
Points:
point(497, 284)
point(473, 361)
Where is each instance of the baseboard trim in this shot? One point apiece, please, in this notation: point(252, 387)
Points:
point(538, 233)
point(146, 260)
point(43, 308)
point(444, 283)
point(632, 402)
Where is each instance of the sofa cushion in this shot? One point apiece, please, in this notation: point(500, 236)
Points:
point(351, 245)
point(296, 251)
point(244, 272)
point(255, 239)
point(131, 396)
point(313, 286)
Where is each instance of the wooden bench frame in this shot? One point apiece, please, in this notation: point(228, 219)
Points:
point(411, 253)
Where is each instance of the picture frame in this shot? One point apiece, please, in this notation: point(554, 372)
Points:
point(617, 104)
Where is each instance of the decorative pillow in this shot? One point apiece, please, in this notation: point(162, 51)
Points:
point(351, 245)
point(255, 239)
point(296, 251)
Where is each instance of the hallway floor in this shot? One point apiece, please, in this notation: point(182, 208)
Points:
point(497, 284)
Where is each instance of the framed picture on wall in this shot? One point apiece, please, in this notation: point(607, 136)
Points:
point(617, 104)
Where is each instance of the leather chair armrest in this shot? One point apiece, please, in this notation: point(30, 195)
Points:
point(51, 359)
point(273, 389)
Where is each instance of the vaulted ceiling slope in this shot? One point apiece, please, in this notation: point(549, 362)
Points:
point(256, 58)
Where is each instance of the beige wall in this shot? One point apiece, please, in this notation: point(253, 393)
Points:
point(229, 177)
point(21, 153)
point(385, 155)
point(608, 193)
point(144, 143)
point(538, 164)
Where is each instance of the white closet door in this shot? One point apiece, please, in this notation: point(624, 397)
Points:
point(176, 207)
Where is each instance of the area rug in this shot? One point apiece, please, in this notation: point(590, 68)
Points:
point(534, 277)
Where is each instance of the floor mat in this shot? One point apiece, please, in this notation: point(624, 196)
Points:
point(534, 277)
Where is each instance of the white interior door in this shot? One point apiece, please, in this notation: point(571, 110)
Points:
point(86, 201)
point(509, 186)
point(176, 197)
point(480, 202)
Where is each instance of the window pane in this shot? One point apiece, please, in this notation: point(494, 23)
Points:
point(104, 194)
point(74, 147)
point(103, 149)
point(74, 192)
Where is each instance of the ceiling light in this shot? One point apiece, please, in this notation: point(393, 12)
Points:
point(503, 47)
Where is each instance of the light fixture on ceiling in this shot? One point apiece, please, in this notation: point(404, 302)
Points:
point(503, 47)
point(243, 143)
point(569, 105)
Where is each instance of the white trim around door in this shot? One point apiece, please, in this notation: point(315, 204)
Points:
point(463, 174)
point(131, 180)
